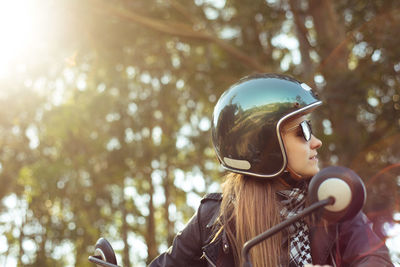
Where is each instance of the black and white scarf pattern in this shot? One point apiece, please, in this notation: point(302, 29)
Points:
point(293, 201)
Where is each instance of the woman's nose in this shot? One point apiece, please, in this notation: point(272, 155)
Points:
point(315, 142)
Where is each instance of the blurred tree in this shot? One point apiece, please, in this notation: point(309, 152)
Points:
point(116, 142)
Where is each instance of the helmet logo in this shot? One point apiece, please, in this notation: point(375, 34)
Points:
point(306, 87)
point(237, 164)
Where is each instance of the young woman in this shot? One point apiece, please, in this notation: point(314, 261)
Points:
point(262, 135)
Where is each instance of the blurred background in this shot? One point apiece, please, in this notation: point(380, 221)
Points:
point(105, 110)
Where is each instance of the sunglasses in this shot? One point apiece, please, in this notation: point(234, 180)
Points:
point(305, 127)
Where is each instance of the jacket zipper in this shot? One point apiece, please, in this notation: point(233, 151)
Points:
point(208, 259)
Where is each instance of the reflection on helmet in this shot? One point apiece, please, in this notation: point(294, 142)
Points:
point(247, 119)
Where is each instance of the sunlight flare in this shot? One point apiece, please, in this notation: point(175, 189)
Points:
point(19, 31)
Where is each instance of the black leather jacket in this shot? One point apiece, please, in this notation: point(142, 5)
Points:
point(351, 243)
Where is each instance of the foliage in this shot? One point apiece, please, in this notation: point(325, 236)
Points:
point(109, 134)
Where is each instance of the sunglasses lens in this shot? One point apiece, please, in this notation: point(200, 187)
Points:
point(306, 128)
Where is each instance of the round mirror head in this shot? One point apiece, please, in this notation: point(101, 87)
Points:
point(104, 249)
point(345, 186)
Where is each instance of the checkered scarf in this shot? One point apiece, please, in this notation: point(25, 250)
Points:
point(293, 201)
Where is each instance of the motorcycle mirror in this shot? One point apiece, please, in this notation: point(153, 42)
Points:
point(104, 254)
point(345, 186)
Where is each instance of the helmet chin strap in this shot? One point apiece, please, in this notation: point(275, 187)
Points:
point(294, 174)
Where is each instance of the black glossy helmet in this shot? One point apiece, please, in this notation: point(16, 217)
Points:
point(247, 120)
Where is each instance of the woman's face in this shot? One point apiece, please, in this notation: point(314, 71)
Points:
point(302, 154)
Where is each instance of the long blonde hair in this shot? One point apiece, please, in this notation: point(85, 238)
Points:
point(249, 207)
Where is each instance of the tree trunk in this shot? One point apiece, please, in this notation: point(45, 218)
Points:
point(20, 240)
point(333, 52)
point(304, 45)
point(125, 230)
point(169, 224)
point(331, 37)
point(151, 228)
